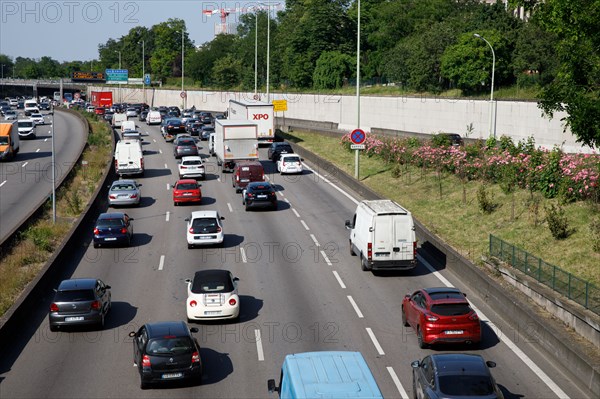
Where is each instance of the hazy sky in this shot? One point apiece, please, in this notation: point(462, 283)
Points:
point(68, 30)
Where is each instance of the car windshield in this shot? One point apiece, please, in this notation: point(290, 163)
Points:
point(74, 295)
point(169, 346)
point(284, 148)
point(451, 309)
point(3, 140)
point(186, 186)
point(194, 162)
point(466, 385)
point(123, 187)
point(110, 223)
point(212, 286)
point(205, 225)
point(291, 159)
point(25, 124)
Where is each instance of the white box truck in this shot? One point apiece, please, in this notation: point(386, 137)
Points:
point(258, 112)
point(382, 234)
point(235, 140)
point(129, 158)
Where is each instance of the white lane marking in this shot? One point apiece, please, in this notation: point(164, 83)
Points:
point(46, 139)
point(287, 200)
point(259, 348)
point(160, 151)
point(229, 206)
point(326, 180)
point(25, 164)
point(168, 186)
point(296, 212)
point(3, 183)
point(511, 345)
point(243, 253)
point(219, 179)
point(282, 194)
point(375, 342)
point(267, 178)
point(304, 224)
point(358, 312)
point(161, 264)
point(315, 240)
point(154, 140)
point(326, 258)
point(167, 216)
point(397, 382)
point(166, 166)
point(339, 279)
point(38, 150)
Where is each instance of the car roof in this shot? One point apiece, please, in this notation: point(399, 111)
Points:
point(124, 181)
point(463, 363)
point(212, 275)
point(248, 163)
point(77, 284)
point(191, 158)
point(111, 215)
point(164, 328)
point(445, 294)
point(189, 181)
point(257, 184)
point(204, 214)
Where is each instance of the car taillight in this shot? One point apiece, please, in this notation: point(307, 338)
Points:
point(193, 303)
point(414, 249)
point(96, 231)
point(237, 178)
point(54, 307)
point(96, 305)
point(232, 301)
point(369, 251)
point(283, 163)
point(116, 165)
point(249, 195)
point(218, 229)
point(183, 167)
point(123, 230)
point(112, 196)
point(142, 164)
point(133, 195)
point(474, 317)
point(191, 230)
point(195, 357)
point(429, 317)
point(146, 361)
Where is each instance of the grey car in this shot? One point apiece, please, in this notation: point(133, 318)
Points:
point(124, 192)
point(80, 302)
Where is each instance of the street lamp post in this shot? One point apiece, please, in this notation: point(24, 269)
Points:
point(492, 116)
point(256, 54)
point(53, 165)
point(356, 152)
point(120, 93)
point(144, 69)
point(183, 96)
point(268, 45)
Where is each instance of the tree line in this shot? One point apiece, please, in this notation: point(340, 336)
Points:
point(422, 46)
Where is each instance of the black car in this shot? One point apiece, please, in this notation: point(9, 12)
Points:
point(453, 139)
point(207, 120)
point(175, 110)
point(276, 149)
point(143, 115)
point(206, 132)
point(166, 351)
point(184, 146)
point(454, 375)
point(174, 126)
point(79, 301)
point(113, 228)
point(195, 128)
point(108, 116)
point(44, 106)
point(259, 195)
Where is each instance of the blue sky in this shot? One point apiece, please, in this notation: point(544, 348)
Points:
point(69, 30)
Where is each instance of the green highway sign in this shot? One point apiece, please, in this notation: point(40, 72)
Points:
point(117, 76)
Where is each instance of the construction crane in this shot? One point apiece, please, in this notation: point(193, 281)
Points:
point(224, 13)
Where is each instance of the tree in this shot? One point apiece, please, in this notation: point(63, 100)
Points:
point(227, 71)
point(332, 69)
point(201, 62)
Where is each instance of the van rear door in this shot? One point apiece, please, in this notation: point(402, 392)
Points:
point(393, 238)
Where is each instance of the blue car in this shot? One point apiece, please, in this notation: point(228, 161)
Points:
point(113, 229)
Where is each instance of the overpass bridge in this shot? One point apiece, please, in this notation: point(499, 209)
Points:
point(10, 87)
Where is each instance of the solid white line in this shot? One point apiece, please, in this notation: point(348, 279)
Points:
point(304, 224)
point(511, 345)
point(375, 342)
point(296, 212)
point(326, 180)
point(259, 348)
point(25, 164)
point(229, 206)
point(243, 253)
point(38, 150)
point(339, 279)
point(326, 258)
point(167, 216)
point(315, 240)
point(287, 200)
point(161, 264)
point(397, 382)
point(166, 166)
point(4, 182)
point(357, 310)
point(267, 178)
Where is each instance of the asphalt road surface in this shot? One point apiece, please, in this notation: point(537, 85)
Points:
point(300, 291)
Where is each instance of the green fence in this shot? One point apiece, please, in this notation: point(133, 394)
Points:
point(574, 288)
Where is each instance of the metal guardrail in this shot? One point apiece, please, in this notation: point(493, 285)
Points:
point(581, 291)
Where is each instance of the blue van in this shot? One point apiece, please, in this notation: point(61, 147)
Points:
point(336, 374)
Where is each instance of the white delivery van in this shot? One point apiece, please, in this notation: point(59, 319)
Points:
point(118, 119)
point(127, 125)
point(211, 144)
point(129, 158)
point(382, 234)
point(153, 118)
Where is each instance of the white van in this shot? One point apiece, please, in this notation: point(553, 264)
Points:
point(211, 144)
point(129, 158)
point(31, 107)
point(382, 234)
point(127, 125)
point(118, 119)
point(153, 118)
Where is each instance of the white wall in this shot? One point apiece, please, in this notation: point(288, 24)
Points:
point(517, 119)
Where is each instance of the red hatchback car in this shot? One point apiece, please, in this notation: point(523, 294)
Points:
point(186, 190)
point(441, 315)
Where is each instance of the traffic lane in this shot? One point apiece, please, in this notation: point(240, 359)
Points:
point(374, 294)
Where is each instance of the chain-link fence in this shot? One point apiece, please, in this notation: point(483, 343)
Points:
point(574, 288)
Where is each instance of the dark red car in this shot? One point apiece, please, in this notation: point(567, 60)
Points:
point(100, 111)
point(441, 315)
point(186, 190)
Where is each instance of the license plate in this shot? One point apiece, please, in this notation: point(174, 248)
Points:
point(187, 194)
point(212, 312)
point(80, 318)
point(110, 239)
point(454, 332)
point(202, 237)
point(171, 375)
point(261, 196)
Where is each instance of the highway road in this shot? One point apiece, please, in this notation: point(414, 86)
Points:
point(300, 291)
point(27, 180)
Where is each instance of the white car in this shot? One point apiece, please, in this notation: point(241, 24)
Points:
point(38, 119)
point(10, 115)
point(90, 108)
point(212, 295)
point(204, 228)
point(131, 112)
point(191, 168)
point(289, 163)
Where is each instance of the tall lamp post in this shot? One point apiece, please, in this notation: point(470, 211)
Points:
point(53, 164)
point(183, 96)
point(268, 45)
point(120, 94)
point(492, 117)
point(144, 69)
point(356, 153)
point(256, 54)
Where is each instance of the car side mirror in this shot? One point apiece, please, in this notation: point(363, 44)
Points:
point(348, 225)
point(132, 334)
point(187, 280)
point(490, 364)
point(187, 219)
point(236, 279)
point(271, 386)
point(108, 287)
point(194, 329)
point(222, 217)
point(415, 364)
point(139, 184)
point(371, 229)
point(131, 219)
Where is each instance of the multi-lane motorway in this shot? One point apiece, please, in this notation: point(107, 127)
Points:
point(300, 291)
point(27, 180)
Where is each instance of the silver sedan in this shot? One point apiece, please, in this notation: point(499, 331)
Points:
point(124, 192)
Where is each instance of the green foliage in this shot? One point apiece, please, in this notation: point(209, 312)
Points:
point(550, 175)
point(440, 140)
point(491, 142)
point(594, 231)
point(506, 144)
point(332, 69)
point(557, 222)
point(227, 72)
point(484, 200)
point(41, 236)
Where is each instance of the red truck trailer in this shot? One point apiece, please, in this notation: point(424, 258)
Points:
point(102, 98)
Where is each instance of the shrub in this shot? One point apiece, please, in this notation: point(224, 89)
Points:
point(484, 199)
point(506, 144)
point(491, 142)
point(440, 140)
point(396, 171)
point(557, 222)
point(595, 234)
point(41, 237)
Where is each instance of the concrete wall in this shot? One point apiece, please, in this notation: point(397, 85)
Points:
point(517, 119)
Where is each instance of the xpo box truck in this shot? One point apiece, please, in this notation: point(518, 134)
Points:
point(258, 112)
point(235, 140)
point(102, 99)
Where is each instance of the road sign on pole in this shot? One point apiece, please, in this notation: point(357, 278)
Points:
point(147, 79)
point(358, 136)
point(183, 94)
